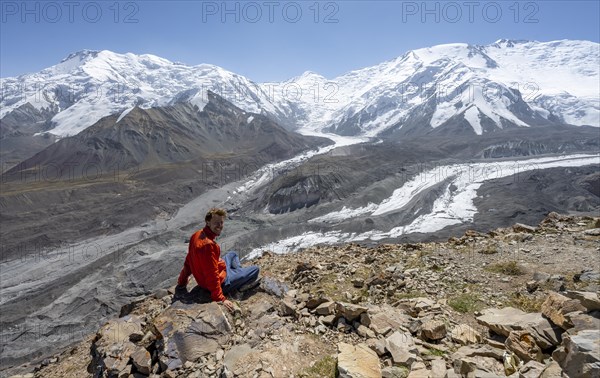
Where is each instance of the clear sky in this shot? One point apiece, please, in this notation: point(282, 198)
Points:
point(276, 40)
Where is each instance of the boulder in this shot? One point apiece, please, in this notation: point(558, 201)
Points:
point(357, 361)
point(287, 307)
point(314, 302)
point(524, 346)
point(187, 332)
point(350, 311)
point(326, 308)
point(386, 320)
point(578, 356)
point(588, 299)
point(531, 369)
point(142, 361)
point(478, 351)
point(328, 320)
point(421, 304)
point(363, 331)
point(465, 335)
point(402, 348)
point(583, 321)
point(394, 372)
point(478, 367)
point(433, 330)
point(503, 321)
point(556, 307)
point(587, 276)
point(112, 348)
point(438, 368)
point(552, 370)
point(234, 355)
point(419, 370)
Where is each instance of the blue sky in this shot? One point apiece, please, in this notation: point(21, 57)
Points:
point(276, 40)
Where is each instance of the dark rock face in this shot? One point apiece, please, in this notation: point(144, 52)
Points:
point(151, 161)
point(17, 130)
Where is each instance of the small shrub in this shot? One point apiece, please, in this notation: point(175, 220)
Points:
point(489, 250)
point(526, 303)
point(465, 303)
point(326, 367)
point(509, 268)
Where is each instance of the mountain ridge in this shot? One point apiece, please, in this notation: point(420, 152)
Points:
point(374, 98)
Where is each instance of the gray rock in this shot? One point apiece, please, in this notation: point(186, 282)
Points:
point(503, 321)
point(328, 320)
point(523, 344)
point(142, 361)
point(313, 302)
point(357, 361)
point(287, 307)
point(541, 277)
point(387, 319)
point(402, 348)
point(363, 331)
point(236, 353)
point(433, 330)
point(378, 345)
point(419, 370)
point(112, 349)
point(578, 356)
point(478, 366)
point(394, 372)
point(588, 299)
point(552, 370)
point(588, 276)
point(531, 369)
point(583, 321)
point(273, 287)
point(326, 308)
point(350, 311)
point(465, 335)
point(478, 351)
point(187, 332)
point(438, 368)
point(557, 307)
point(260, 308)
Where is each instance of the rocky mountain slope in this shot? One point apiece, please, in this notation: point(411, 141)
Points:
point(519, 301)
point(151, 160)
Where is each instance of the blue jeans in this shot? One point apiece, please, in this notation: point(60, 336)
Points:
point(237, 276)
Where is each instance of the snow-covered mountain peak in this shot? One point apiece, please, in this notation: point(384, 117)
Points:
point(506, 83)
point(81, 55)
point(89, 85)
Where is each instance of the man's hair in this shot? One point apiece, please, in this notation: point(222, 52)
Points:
point(215, 211)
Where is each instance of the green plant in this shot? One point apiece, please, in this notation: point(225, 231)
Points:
point(436, 352)
point(525, 302)
point(325, 367)
point(465, 303)
point(409, 294)
point(510, 268)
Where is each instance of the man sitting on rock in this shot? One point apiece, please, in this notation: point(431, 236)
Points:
point(210, 271)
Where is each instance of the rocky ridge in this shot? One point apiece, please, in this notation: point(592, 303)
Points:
point(519, 301)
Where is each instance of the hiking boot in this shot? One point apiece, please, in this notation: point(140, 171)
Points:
point(250, 285)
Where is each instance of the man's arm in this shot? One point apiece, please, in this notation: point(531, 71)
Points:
point(211, 259)
point(184, 275)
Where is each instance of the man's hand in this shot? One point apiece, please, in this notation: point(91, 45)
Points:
point(228, 305)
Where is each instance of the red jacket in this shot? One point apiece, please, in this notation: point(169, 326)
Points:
point(203, 261)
